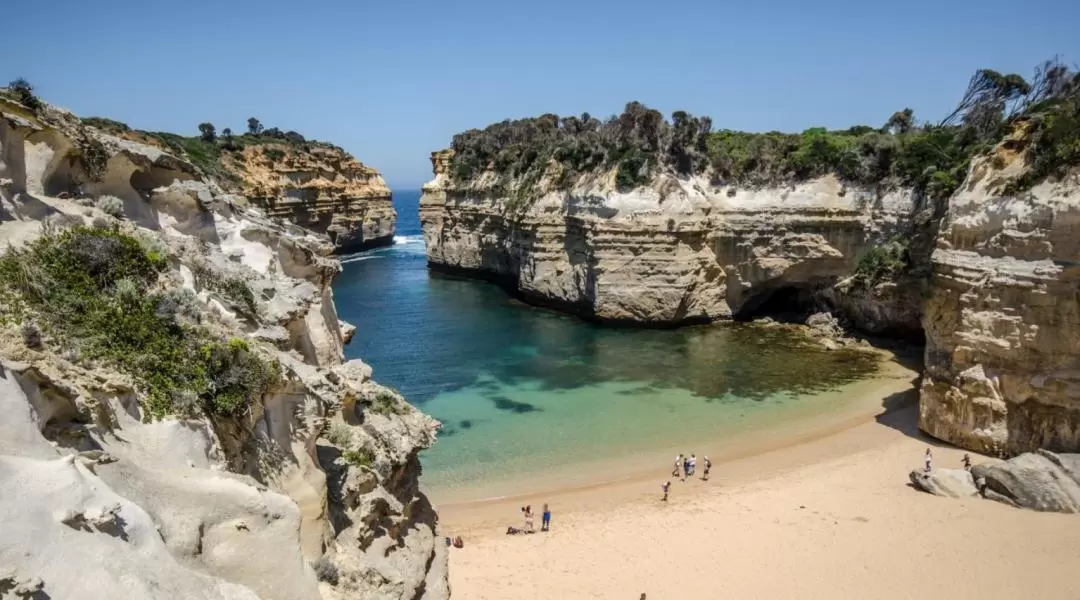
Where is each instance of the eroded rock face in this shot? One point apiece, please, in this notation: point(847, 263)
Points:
point(106, 503)
point(321, 189)
point(1003, 319)
point(674, 252)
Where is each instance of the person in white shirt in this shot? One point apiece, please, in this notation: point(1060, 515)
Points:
point(693, 464)
point(678, 465)
point(929, 458)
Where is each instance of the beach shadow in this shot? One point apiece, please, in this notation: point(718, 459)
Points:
point(901, 412)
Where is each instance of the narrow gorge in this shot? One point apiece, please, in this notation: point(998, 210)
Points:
point(179, 417)
point(962, 232)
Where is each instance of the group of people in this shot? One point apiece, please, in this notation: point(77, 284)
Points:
point(686, 466)
point(527, 512)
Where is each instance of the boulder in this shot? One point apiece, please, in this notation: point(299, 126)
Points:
point(950, 483)
point(1033, 480)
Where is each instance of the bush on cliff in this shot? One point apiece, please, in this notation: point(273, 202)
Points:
point(23, 92)
point(930, 157)
point(96, 291)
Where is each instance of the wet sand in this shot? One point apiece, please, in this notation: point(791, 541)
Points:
point(820, 510)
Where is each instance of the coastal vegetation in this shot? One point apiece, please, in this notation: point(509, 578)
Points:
point(96, 293)
point(206, 150)
point(931, 157)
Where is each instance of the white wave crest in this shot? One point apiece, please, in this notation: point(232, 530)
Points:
point(359, 258)
point(408, 239)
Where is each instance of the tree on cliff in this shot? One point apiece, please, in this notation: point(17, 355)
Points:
point(254, 126)
point(207, 132)
point(900, 122)
point(24, 93)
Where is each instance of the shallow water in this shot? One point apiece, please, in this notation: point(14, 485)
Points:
point(521, 389)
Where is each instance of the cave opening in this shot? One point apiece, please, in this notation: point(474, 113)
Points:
point(784, 303)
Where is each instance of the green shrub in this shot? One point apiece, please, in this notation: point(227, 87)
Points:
point(107, 125)
point(340, 434)
point(883, 262)
point(92, 288)
point(359, 457)
point(386, 403)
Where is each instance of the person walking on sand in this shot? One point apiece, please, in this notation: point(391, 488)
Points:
point(686, 466)
point(665, 486)
point(545, 522)
point(693, 464)
point(928, 459)
point(967, 462)
point(678, 466)
point(708, 465)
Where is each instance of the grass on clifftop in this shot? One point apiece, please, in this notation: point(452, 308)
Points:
point(932, 157)
point(96, 293)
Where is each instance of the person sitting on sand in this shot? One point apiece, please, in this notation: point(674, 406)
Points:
point(511, 530)
point(708, 465)
point(665, 486)
point(545, 522)
point(929, 459)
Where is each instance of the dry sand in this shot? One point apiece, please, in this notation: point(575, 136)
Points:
point(824, 516)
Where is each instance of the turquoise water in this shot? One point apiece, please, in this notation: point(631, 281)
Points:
point(520, 388)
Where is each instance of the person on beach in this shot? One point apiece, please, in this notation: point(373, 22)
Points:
point(693, 464)
point(678, 466)
point(665, 486)
point(545, 523)
point(708, 465)
point(929, 459)
point(686, 466)
point(967, 462)
point(528, 518)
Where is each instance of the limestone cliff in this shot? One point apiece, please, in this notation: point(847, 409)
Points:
point(319, 188)
point(673, 251)
point(1003, 319)
point(308, 490)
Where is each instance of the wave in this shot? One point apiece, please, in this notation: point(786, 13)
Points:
point(352, 259)
point(408, 239)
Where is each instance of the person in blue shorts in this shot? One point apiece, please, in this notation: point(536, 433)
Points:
point(545, 523)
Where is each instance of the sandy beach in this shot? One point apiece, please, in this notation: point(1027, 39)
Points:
point(824, 512)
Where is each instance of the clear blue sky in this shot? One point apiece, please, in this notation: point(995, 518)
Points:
point(391, 81)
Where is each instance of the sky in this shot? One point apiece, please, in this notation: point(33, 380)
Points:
point(393, 81)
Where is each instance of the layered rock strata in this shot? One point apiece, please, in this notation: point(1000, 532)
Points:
point(312, 493)
point(1003, 318)
point(321, 189)
point(676, 251)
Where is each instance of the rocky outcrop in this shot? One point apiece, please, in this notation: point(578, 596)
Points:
point(950, 483)
point(310, 493)
point(1003, 317)
point(1042, 480)
point(320, 188)
point(672, 252)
